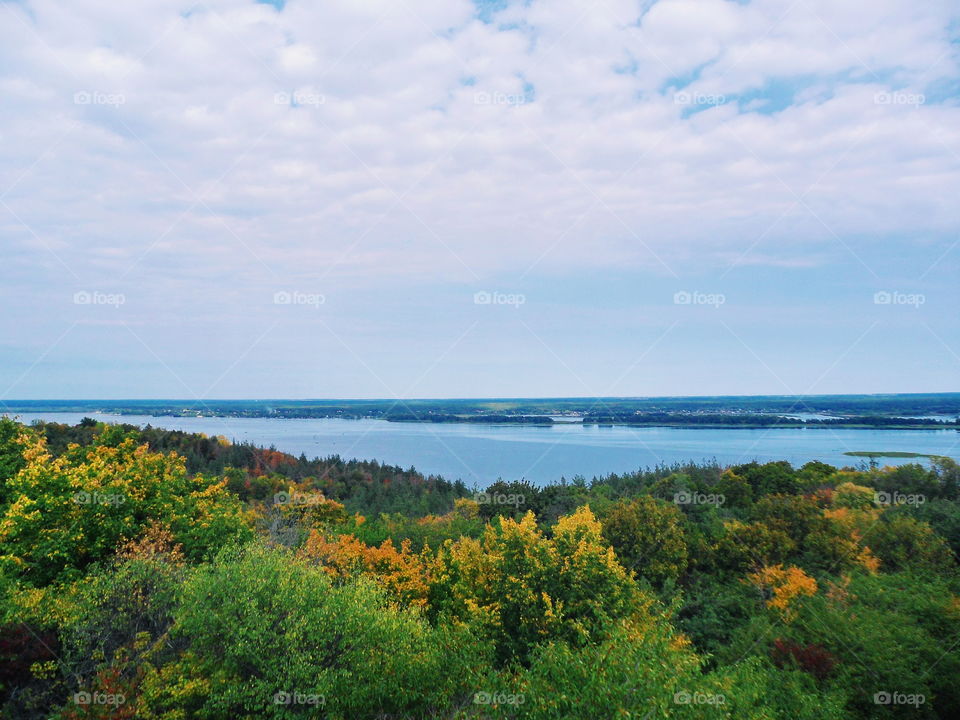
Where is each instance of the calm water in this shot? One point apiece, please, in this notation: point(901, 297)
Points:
point(481, 454)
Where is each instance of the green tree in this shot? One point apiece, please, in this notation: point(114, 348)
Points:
point(887, 633)
point(267, 635)
point(11, 455)
point(647, 535)
point(646, 670)
point(902, 543)
point(769, 478)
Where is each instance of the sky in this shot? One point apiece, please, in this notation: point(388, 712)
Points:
point(444, 198)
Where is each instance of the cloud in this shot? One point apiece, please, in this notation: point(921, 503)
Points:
point(184, 149)
point(382, 122)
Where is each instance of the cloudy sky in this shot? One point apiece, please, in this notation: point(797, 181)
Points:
point(434, 198)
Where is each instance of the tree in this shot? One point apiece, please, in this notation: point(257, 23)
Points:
point(794, 515)
point(735, 490)
point(903, 543)
point(751, 545)
point(121, 619)
point(268, 635)
point(770, 478)
point(402, 573)
point(887, 633)
point(523, 588)
point(782, 585)
point(11, 455)
point(647, 535)
point(851, 495)
point(645, 669)
point(68, 512)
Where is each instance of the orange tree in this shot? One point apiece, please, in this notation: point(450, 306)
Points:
point(402, 573)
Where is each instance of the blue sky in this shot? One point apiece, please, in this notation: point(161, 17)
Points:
point(291, 199)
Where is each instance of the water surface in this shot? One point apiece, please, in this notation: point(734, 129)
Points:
point(482, 453)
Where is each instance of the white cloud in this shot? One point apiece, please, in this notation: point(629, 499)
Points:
point(435, 145)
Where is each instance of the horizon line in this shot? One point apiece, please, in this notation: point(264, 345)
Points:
point(466, 398)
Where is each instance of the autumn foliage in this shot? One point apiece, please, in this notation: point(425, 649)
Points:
point(783, 586)
point(261, 591)
point(404, 574)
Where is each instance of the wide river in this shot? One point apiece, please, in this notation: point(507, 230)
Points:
point(479, 454)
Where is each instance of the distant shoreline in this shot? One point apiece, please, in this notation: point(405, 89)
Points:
point(917, 411)
point(682, 422)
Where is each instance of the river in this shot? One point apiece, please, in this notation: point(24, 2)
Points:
point(479, 454)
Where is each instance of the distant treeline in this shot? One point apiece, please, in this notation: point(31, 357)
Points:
point(755, 420)
point(695, 419)
point(913, 404)
point(447, 418)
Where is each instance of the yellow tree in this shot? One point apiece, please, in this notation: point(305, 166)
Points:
point(70, 511)
point(524, 588)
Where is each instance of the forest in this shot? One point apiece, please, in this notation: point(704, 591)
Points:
point(154, 574)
